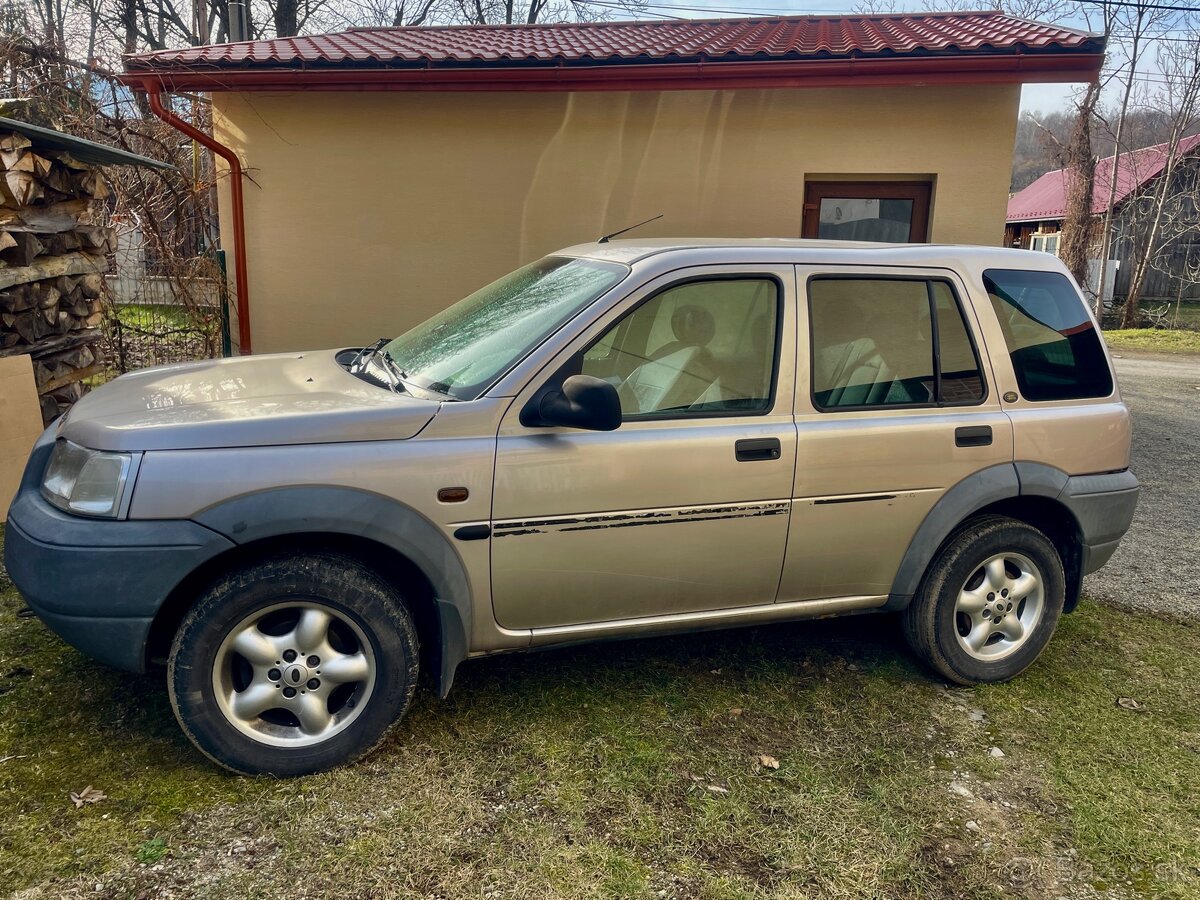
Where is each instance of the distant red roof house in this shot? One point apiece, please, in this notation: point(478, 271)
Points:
point(969, 47)
point(1046, 199)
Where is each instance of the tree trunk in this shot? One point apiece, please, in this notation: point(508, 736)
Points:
point(1080, 163)
point(286, 18)
point(1106, 234)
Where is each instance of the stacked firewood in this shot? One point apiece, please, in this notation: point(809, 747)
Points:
point(52, 259)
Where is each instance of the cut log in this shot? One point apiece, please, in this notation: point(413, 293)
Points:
point(75, 358)
point(52, 267)
point(97, 238)
point(58, 179)
point(31, 326)
point(14, 141)
point(68, 160)
point(24, 249)
point(91, 183)
point(48, 295)
point(7, 240)
point(41, 165)
point(17, 299)
point(71, 377)
point(51, 219)
point(19, 160)
point(92, 286)
point(22, 188)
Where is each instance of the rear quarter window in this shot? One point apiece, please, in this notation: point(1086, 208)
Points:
point(1055, 350)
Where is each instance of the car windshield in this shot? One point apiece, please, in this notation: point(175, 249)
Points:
point(465, 348)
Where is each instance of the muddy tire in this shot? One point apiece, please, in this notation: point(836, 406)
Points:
point(989, 602)
point(293, 665)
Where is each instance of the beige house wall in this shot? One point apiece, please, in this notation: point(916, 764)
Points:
point(370, 211)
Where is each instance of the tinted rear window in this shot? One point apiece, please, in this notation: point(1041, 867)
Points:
point(1055, 350)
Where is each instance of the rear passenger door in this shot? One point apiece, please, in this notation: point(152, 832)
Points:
point(895, 405)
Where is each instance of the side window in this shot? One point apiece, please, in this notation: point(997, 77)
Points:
point(961, 379)
point(699, 348)
point(1055, 351)
point(874, 342)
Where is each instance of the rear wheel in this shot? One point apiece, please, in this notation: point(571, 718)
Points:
point(989, 603)
point(293, 665)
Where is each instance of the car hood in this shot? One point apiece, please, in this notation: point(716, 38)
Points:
point(249, 401)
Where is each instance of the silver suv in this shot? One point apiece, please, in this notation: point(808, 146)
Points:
point(621, 439)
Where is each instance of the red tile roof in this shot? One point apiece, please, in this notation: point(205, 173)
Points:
point(594, 45)
point(1046, 198)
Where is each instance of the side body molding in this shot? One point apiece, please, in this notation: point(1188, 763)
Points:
point(973, 493)
point(356, 513)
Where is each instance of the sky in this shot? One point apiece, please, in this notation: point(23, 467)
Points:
point(1035, 97)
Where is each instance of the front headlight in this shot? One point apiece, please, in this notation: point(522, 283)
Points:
point(86, 482)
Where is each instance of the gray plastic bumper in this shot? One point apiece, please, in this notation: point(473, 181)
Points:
point(1103, 505)
point(98, 583)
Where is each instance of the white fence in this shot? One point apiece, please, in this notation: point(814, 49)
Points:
point(158, 290)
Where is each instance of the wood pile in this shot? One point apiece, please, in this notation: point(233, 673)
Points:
point(52, 260)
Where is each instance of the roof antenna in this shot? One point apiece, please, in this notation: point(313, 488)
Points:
point(609, 237)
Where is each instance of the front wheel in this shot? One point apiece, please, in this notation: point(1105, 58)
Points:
point(989, 603)
point(293, 665)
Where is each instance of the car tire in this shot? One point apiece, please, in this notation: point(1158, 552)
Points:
point(989, 602)
point(293, 665)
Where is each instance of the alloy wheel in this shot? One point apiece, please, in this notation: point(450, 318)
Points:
point(294, 674)
point(999, 606)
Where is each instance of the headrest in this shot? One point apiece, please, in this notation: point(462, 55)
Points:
point(693, 325)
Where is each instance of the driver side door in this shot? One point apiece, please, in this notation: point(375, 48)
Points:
point(682, 509)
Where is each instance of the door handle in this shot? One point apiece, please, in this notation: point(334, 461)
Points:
point(754, 449)
point(973, 436)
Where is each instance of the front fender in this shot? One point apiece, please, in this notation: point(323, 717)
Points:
point(278, 512)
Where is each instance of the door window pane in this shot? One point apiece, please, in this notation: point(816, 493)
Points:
point(962, 382)
point(865, 219)
point(873, 344)
point(1055, 351)
point(702, 347)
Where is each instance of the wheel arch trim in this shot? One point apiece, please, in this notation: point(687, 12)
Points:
point(354, 513)
point(994, 485)
point(968, 496)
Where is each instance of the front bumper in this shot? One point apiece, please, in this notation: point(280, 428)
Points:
point(98, 583)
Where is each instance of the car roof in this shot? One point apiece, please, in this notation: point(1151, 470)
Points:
point(809, 251)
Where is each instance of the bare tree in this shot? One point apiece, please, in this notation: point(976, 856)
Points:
point(1130, 26)
point(1079, 162)
point(1166, 215)
point(1046, 10)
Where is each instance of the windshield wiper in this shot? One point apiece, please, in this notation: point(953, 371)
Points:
point(358, 365)
point(392, 366)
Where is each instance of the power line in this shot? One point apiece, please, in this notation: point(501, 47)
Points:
point(1134, 4)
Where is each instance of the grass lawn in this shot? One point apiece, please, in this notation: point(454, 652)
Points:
point(1160, 340)
point(633, 769)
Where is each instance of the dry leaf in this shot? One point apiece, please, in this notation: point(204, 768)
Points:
point(768, 762)
point(88, 795)
point(1130, 703)
point(717, 789)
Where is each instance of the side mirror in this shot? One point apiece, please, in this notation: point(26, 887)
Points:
point(584, 402)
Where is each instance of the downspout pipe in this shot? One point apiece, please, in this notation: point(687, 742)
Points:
point(240, 278)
